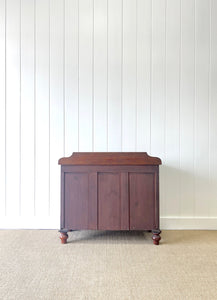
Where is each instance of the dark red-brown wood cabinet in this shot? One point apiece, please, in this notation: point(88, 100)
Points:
point(110, 191)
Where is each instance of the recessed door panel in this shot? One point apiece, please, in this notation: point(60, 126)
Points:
point(109, 201)
point(113, 209)
point(76, 200)
point(142, 200)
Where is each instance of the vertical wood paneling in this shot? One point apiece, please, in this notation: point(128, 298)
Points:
point(2, 105)
point(100, 76)
point(27, 107)
point(115, 24)
point(13, 108)
point(129, 101)
point(213, 109)
point(187, 93)
point(71, 76)
point(42, 108)
point(108, 75)
point(172, 117)
point(85, 75)
point(143, 104)
point(157, 97)
point(201, 152)
point(57, 98)
point(158, 78)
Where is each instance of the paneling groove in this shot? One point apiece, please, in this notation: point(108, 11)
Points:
point(3, 106)
point(71, 76)
point(187, 105)
point(13, 108)
point(114, 75)
point(42, 107)
point(27, 67)
point(108, 75)
point(213, 108)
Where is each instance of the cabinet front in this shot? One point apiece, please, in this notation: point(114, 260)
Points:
point(115, 200)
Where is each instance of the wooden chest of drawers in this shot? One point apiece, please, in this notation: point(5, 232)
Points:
point(110, 191)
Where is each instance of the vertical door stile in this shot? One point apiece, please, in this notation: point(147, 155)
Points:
point(124, 200)
point(93, 202)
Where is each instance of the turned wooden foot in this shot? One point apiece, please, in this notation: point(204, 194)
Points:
point(63, 237)
point(156, 236)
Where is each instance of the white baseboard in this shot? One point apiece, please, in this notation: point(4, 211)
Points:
point(197, 223)
point(172, 223)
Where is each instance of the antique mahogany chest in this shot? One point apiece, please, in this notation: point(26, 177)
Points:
point(110, 191)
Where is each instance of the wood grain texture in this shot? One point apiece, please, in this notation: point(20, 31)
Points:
point(76, 201)
point(92, 201)
point(142, 200)
point(110, 158)
point(109, 201)
point(124, 202)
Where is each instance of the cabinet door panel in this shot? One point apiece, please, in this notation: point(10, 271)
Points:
point(109, 201)
point(142, 200)
point(113, 212)
point(76, 200)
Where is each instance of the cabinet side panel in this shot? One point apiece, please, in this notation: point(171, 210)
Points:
point(157, 200)
point(142, 200)
point(62, 214)
point(76, 200)
point(109, 204)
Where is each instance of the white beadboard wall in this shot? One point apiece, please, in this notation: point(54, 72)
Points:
point(108, 75)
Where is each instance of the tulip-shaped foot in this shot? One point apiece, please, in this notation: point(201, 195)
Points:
point(63, 237)
point(156, 236)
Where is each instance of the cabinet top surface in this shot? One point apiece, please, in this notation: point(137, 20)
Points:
point(110, 158)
